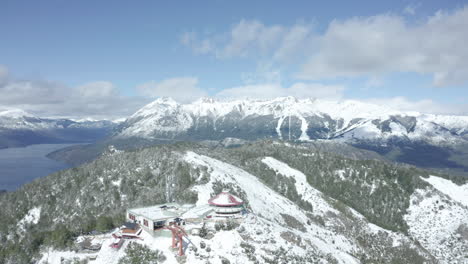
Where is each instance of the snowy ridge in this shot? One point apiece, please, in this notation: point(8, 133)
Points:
point(457, 123)
point(279, 108)
point(257, 192)
point(269, 205)
point(19, 119)
point(340, 120)
point(15, 113)
point(159, 110)
point(19, 128)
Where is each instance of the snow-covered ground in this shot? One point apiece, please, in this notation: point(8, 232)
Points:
point(458, 193)
point(32, 217)
point(308, 193)
point(437, 218)
point(276, 227)
point(270, 206)
point(109, 255)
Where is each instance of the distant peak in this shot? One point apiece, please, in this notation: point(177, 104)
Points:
point(205, 100)
point(15, 113)
point(161, 101)
point(286, 99)
point(165, 99)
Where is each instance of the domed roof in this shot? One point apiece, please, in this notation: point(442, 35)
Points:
point(225, 199)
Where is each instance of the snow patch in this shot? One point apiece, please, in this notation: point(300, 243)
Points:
point(458, 193)
point(433, 220)
point(31, 218)
point(303, 188)
point(117, 182)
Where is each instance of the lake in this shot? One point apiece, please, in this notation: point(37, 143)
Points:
point(22, 165)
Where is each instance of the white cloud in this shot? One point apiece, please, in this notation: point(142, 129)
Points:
point(298, 38)
point(3, 75)
point(264, 73)
point(51, 99)
point(355, 47)
point(424, 105)
point(272, 90)
point(191, 40)
point(410, 9)
point(374, 81)
point(182, 89)
point(97, 89)
point(252, 38)
point(386, 43)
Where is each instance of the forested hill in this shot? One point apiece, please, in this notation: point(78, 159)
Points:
point(380, 212)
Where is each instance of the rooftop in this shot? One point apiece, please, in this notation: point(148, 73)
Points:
point(130, 225)
point(161, 211)
point(225, 199)
point(198, 212)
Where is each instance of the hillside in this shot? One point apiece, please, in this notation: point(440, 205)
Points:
point(306, 205)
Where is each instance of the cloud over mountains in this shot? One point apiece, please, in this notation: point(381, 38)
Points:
point(302, 59)
point(354, 47)
point(100, 99)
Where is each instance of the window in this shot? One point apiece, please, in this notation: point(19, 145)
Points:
point(131, 216)
point(145, 222)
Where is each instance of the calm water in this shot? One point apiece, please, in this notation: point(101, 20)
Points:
point(22, 165)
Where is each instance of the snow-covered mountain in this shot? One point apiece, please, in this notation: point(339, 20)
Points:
point(289, 118)
point(305, 206)
point(20, 128)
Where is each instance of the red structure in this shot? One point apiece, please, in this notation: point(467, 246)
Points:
point(177, 238)
point(226, 204)
point(225, 199)
point(117, 243)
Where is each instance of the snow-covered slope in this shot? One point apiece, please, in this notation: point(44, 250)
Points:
point(438, 219)
point(303, 188)
point(276, 230)
point(293, 194)
point(458, 193)
point(325, 239)
point(271, 206)
point(288, 118)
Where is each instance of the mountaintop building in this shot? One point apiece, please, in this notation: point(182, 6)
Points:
point(226, 204)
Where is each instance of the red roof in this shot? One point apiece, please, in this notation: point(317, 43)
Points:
point(225, 199)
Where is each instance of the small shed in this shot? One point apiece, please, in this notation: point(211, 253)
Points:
point(155, 217)
point(130, 230)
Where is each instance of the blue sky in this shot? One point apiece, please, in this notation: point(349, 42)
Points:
point(408, 54)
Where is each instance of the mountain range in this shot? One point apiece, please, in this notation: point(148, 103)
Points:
point(19, 128)
point(317, 177)
point(438, 142)
point(289, 118)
